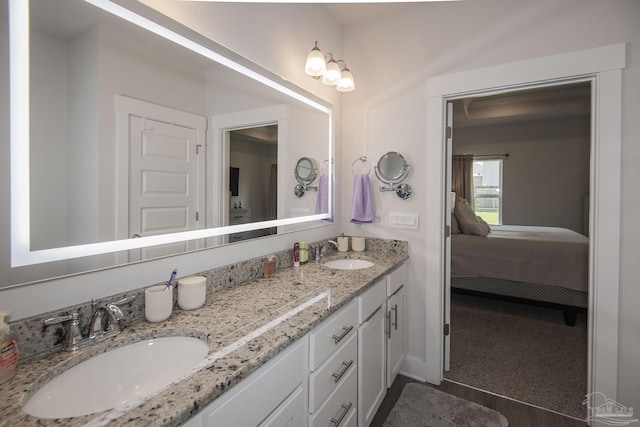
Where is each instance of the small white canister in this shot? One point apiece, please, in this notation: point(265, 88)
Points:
point(192, 291)
point(357, 244)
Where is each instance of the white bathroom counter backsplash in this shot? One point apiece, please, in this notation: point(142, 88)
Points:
point(245, 325)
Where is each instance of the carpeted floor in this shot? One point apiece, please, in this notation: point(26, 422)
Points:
point(424, 406)
point(523, 352)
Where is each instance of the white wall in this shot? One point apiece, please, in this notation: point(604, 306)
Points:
point(400, 51)
point(546, 176)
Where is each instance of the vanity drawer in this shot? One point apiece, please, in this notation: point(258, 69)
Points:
point(327, 337)
point(340, 406)
point(396, 279)
point(327, 377)
point(373, 298)
point(239, 216)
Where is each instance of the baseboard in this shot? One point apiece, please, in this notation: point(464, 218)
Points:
point(414, 368)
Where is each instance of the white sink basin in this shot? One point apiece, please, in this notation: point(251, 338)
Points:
point(349, 264)
point(117, 377)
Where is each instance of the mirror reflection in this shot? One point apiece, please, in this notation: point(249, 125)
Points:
point(134, 136)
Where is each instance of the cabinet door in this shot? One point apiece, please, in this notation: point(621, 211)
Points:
point(263, 392)
point(289, 413)
point(371, 366)
point(396, 342)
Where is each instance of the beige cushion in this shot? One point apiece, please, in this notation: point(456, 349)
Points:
point(455, 228)
point(484, 224)
point(468, 220)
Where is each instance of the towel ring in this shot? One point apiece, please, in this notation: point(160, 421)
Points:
point(323, 166)
point(363, 163)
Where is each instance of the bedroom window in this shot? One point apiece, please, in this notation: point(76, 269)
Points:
point(487, 190)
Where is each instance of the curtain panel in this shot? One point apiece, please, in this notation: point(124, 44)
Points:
point(462, 176)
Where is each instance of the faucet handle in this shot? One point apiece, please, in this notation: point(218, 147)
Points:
point(73, 336)
point(60, 319)
point(125, 300)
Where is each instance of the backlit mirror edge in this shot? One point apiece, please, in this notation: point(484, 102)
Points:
point(21, 255)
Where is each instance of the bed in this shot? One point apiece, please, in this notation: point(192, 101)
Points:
point(543, 265)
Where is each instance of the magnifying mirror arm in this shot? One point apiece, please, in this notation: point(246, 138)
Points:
point(300, 189)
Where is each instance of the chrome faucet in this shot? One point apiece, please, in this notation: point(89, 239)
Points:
point(323, 248)
point(105, 323)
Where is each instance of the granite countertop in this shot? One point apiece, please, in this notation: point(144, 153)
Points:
point(283, 308)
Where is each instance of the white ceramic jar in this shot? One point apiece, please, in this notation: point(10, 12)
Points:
point(192, 291)
point(357, 244)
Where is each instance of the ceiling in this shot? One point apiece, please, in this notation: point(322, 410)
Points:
point(572, 100)
point(352, 13)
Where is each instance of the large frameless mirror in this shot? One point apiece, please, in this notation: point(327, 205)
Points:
point(129, 133)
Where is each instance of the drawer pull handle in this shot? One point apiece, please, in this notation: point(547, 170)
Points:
point(345, 331)
point(345, 411)
point(345, 368)
point(395, 310)
point(387, 324)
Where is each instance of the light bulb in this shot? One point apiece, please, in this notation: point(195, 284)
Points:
point(346, 83)
point(315, 65)
point(333, 74)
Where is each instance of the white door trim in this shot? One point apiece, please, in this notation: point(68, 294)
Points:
point(604, 65)
point(218, 157)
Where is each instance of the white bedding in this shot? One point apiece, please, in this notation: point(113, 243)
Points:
point(544, 255)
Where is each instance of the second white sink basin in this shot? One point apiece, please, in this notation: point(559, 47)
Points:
point(349, 264)
point(117, 377)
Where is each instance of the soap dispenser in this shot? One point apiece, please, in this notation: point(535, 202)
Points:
point(8, 350)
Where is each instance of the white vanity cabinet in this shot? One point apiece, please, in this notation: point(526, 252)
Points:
point(274, 395)
point(336, 376)
point(396, 321)
point(333, 361)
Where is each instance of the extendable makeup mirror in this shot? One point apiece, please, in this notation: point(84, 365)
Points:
point(306, 171)
point(392, 170)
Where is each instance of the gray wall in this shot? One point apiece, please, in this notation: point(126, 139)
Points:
point(546, 176)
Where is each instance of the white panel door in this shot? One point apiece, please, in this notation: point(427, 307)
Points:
point(447, 255)
point(163, 182)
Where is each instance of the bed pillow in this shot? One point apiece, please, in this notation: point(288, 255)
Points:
point(468, 220)
point(455, 228)
point(484, 224)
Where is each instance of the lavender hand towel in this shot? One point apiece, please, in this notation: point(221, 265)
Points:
point(361, 208)
point(322, 201)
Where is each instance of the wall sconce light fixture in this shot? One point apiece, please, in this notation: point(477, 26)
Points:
point(331, 72)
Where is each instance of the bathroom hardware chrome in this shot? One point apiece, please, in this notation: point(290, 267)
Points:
point(346, 409)
point(323, 248)
point(73, 337)
point(395, 322)
point(392, 170)
point(345, 331)
point(105, 323)
point(106, 319)
point(345, 368)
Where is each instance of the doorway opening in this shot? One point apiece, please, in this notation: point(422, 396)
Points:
point(521, 164)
